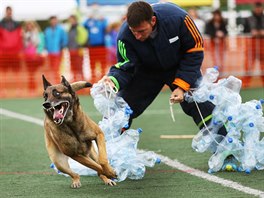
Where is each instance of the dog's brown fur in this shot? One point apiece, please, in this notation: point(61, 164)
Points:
point(71, 135)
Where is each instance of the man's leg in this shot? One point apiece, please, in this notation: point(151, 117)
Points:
point(141, 92)
point(206, 109)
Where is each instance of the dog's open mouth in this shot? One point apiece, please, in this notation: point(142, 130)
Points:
point(59, 112)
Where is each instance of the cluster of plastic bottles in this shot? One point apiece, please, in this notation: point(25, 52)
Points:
point(243, 122)
point(121, 147)
point(123, 156)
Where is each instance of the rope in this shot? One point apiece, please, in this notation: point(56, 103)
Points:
point(210, 133)
point(171, 111)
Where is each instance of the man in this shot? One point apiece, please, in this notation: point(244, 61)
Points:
point(56, 40)
point(255, 26)
point(255, 23)
point(158, 45)
point(11, 42)
point(77, 36)
point(96, 27)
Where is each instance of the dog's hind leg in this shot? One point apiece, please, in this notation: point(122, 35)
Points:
point(61, 162)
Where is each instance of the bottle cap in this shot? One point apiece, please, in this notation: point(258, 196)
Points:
point(248, 171)
point(211, 97)
point(216, 67)
point(128, 111)
point(230, 140)
point(158, 160)
point(258, 107)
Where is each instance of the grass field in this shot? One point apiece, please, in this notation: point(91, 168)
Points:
point(25, 172)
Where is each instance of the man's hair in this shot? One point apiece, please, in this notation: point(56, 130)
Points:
point(8, 8)
point(52, 17)
point(138, 12)
point(258, 4)
point(73, 16)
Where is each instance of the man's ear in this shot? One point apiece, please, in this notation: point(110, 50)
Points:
point(153, 21)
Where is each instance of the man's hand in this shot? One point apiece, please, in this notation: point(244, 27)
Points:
point(107, 80)
point(177, 96)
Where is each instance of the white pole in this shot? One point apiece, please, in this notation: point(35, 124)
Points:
point(232, 26)
point(216, 4)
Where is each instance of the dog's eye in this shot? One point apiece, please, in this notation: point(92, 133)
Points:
point(56, 93)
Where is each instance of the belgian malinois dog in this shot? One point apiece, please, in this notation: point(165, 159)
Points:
point(69, 132)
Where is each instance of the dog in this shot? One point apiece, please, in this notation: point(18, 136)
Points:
point(69, 132)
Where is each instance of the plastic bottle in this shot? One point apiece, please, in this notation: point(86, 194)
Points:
point(148, 158)
point(204, 139)
point(243, 122)
point(121, 148)
point(211, 75)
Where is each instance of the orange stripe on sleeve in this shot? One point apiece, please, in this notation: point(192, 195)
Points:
point(194, 37)
point(182, 84)
point(195, 49)
point(194, 32)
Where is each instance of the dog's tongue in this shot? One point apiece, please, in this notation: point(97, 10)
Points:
point(58, 114)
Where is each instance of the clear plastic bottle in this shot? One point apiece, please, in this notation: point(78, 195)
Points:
point(121, 148)
point(205, 138)
point(211, 75)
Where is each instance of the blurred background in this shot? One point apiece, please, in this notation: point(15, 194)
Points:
point(76, 38)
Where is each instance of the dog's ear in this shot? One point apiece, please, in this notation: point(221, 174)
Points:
point(76, 86)
point(67, 84)
point(45, 82)
point(64, 81)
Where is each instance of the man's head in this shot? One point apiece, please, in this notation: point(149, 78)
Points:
point(258, 8)
point(73, 20)
point(53, 21)
point(8, 13)
point(141, 19)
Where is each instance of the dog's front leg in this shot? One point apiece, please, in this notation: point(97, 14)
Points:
point(87, 161)
point(102, 156)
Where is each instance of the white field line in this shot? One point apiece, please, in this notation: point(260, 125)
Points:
point(172, 163)
point(21, 117)
point(150, 112)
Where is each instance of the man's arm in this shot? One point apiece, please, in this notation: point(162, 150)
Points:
point(190, 65)
point(122, 72)
point(192, 49)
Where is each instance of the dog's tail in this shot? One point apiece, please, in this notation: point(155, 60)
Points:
point(76, 86)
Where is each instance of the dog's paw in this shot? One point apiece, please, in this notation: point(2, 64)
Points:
point(110, 182)
point(109, 172)
point(112, 174)
point(76, 184)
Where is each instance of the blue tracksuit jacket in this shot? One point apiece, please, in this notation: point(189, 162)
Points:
point(177, 47)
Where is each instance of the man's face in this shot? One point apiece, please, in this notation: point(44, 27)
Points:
point(53, 22)
point(143, 31)
point(258, 10)
point(9, 13)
